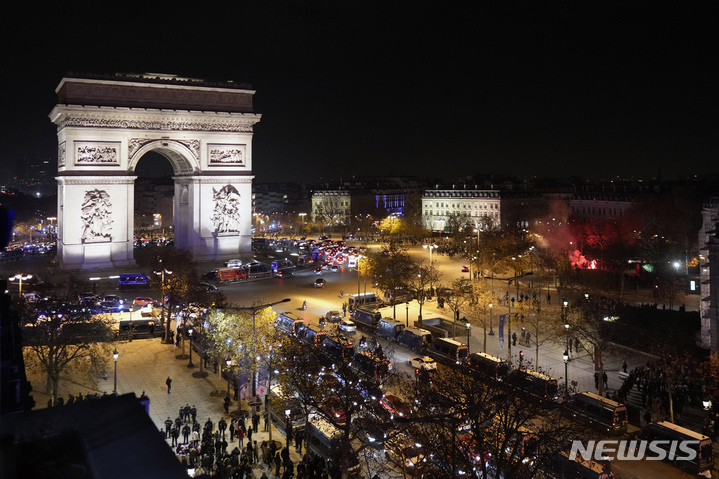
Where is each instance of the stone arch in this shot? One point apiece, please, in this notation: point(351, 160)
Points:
point(104, 127)
point(182, 155)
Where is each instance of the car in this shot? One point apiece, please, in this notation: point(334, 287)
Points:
point(111, 306)
point(465, 269)
point(347, 326)
point(369, 391)
point(88, 298)
point(283, 274)
point(143, 300)
point(396, 406)
point(206, 287)
point(234, 263)
point(318, 270)
point(334, 268)
point(422, 362)
point(333, 407)
point(113, 297)
point(370, 432)
point(333, 316)
point(401, 450)
point(320, 283)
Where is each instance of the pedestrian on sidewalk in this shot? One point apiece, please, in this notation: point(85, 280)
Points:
point(265, 417)
point(233, 428)
point(241, 436)
point(249, 433)
point(227, 404)
point(278, 463)
point(256, 421)
point(168, 427)
point(298, 443)
point(169, 384)
point(256, 452)
point(222, 425)
point(624, 365)
point(514, 339)
point(529, 340)
point(605, 379)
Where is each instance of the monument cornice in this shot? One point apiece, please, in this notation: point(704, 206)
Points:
point(95, 180)
point(75, 116)
point(214, 179)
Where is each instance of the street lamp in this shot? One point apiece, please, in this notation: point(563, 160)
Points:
point(430, 247)
point(407, 321)
point(162, 274)
point(302, 228)
point(491, 331)
point(189, 333)
point(115, 354)
point(565, 356)
point(20, 277)
point(469, 327)
point(228, 362)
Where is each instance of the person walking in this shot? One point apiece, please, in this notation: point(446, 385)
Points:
point(514, 339)
point(265, 418)
point(529, 340)
point(227, 404)
point(605, 379)
point(241, 436)
point(298, 443)
point(169, 384)
point(249, 433)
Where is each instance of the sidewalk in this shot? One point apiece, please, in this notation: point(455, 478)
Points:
point(144, 365)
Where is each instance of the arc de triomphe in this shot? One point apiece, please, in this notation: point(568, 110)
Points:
point(105, 125)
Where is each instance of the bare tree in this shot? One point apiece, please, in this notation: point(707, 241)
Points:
point(58, 341)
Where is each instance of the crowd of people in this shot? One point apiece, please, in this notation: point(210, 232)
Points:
point(228, 450)
point(682, 377)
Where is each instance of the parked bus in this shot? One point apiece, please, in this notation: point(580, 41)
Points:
point(448, 350)
point(668, 433)
point(415, 338)
point(338, 348)
point(367, 318)
point(311, 335)
point(488, 366)
point(537, 384)
point(364, 300)
point(598, 411)
point(289, 323)
point(389, 328)
point(141, 328)
point(231, 275)
point(373, 367)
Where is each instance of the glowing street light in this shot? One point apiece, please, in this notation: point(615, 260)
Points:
point(20, 277)
point(115, 355)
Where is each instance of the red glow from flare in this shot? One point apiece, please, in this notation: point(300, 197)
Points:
point(579, 261)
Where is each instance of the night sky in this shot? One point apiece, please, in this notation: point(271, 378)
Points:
point(431, 89)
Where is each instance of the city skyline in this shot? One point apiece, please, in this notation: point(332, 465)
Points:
point(594, 91)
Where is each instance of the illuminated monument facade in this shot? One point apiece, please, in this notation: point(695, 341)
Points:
point(104, 127)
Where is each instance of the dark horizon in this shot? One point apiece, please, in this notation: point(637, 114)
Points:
point(590, 90)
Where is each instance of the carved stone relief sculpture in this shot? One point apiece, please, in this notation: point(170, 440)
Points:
point(96, 216)
point(226, 213)
point(96, 153)
point(227, 155)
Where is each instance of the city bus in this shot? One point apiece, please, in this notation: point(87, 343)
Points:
point(488, 366)
point(311, 335)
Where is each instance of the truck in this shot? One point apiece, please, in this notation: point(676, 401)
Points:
point(282, 265)
point(389, 328)
point(366, 318)
point(415, 339)
point(230, 275)
point(289, 323)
